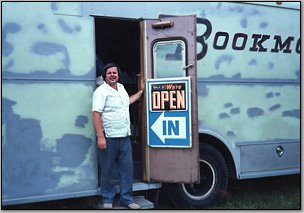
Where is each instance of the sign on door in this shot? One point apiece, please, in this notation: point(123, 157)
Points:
point(169, 110)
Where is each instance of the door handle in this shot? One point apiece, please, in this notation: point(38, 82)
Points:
point(188, 66)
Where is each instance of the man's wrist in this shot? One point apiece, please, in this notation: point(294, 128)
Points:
point(100, 135)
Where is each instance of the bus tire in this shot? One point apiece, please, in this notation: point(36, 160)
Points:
point(213, 182)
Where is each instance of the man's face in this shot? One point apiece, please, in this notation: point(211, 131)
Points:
point(112, 76)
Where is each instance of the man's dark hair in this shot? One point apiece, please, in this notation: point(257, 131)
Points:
point(107, 66)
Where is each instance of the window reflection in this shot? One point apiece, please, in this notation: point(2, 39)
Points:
point(169, 59)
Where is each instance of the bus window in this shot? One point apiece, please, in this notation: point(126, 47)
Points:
point(169, 59)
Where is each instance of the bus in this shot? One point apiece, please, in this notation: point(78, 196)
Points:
point(222, 98)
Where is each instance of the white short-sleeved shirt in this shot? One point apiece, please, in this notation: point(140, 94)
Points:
point(114, 108)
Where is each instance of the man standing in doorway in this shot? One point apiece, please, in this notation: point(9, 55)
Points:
point(110, 111)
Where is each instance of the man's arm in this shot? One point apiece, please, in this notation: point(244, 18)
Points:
point(136, 96)
point(101, 142)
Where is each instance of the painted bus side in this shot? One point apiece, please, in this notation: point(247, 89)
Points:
point(248, 90)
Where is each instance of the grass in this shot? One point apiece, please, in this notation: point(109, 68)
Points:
point(266, 193)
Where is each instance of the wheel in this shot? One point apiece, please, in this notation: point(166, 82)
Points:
point(213, 182)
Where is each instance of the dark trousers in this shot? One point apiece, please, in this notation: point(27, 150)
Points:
point(117, 154)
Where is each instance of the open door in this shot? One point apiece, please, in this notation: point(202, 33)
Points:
point(169, 116)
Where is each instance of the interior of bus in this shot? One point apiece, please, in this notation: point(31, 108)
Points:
point(118, 41)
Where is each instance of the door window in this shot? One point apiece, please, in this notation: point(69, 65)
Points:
point(169, 59)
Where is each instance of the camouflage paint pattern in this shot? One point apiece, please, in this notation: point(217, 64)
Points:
point(48, 140)
point(247, 95)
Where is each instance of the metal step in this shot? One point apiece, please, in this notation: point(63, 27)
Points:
point(140, 200)
point(137, 186)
